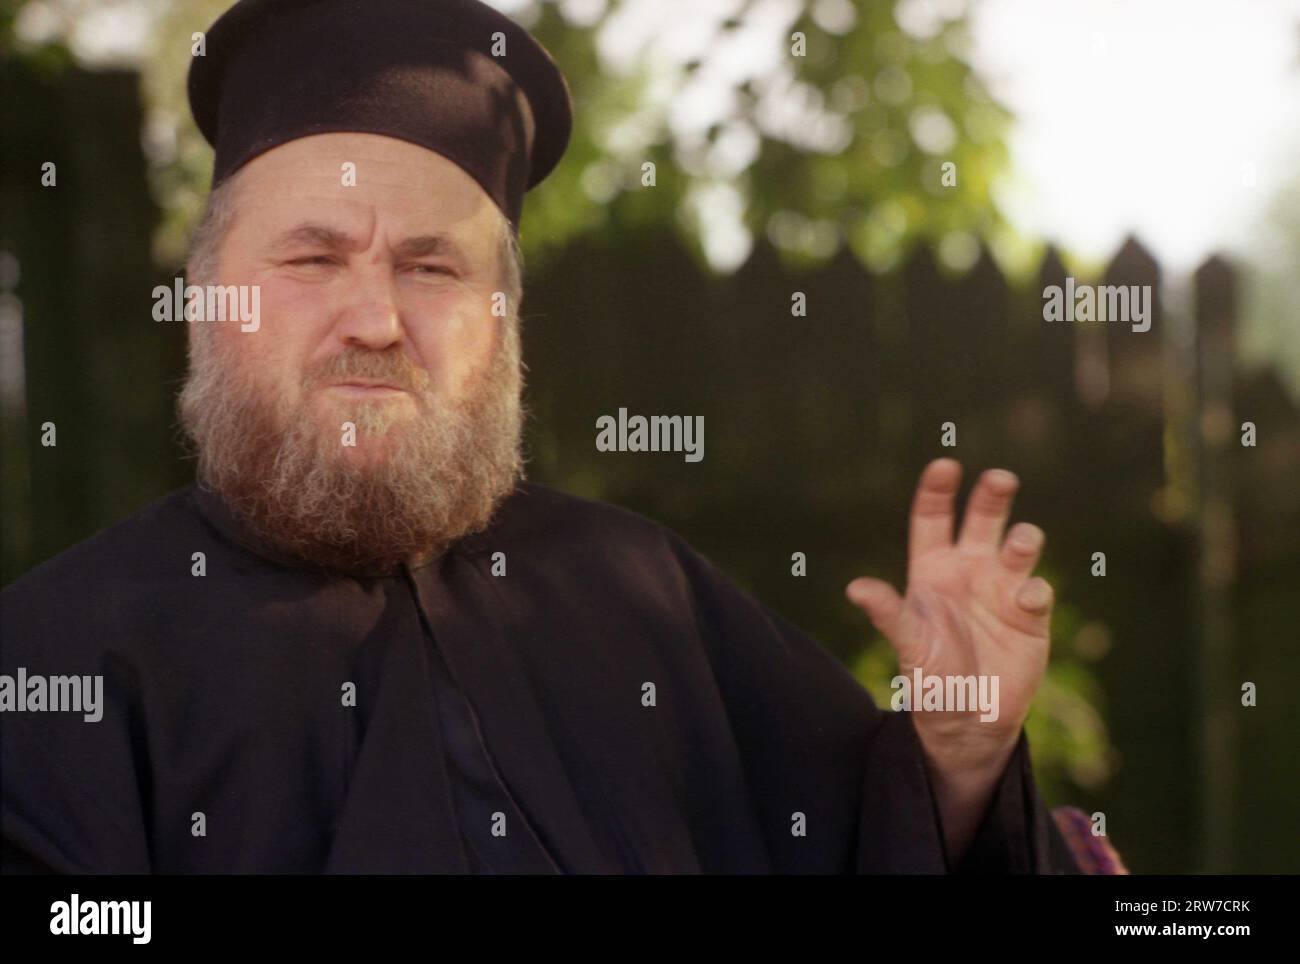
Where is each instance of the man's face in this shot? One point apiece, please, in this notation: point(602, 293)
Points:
point(395, 273)
point(373, 414)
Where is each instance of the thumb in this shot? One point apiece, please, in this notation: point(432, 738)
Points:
point(879, 601)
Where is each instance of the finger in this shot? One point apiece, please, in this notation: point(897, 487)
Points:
point(987, 510)
point(1022, 549)
point(1034, 603)
point(933, 509)
point(879, 601)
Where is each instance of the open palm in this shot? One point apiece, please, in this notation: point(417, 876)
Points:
point(971, 608)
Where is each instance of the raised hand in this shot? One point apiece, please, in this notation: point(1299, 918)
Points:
point(971, 608)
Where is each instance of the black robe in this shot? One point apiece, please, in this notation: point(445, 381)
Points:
point(483, 703)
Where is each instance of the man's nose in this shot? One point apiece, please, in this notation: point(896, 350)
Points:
point(372, 318)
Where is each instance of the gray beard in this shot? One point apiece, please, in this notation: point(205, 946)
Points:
point(441, 477)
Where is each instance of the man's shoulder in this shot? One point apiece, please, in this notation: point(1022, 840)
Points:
point(138, 547)
point(590, 542)
point(606, 544)
point(540, 513)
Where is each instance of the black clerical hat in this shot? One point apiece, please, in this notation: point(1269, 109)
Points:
point(454, 76)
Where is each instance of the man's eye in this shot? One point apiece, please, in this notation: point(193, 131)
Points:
point(314, 259)
point(431, 269)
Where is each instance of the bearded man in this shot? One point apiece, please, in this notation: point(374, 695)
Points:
point(361, 643)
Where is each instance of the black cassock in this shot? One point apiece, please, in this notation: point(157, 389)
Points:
point(265, 717)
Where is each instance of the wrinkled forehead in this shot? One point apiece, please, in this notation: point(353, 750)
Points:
point(355, 172)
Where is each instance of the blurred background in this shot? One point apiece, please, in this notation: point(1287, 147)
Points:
point(800, 146)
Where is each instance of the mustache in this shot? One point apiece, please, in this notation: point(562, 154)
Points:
point(389, 365)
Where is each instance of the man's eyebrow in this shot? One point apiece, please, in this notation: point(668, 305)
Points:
point(418, 246)
point(423, 245)
point(318, 234)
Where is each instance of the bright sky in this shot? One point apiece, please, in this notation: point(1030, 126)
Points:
point(1176, 120)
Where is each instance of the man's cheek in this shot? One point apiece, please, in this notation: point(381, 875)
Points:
point(250, 310)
